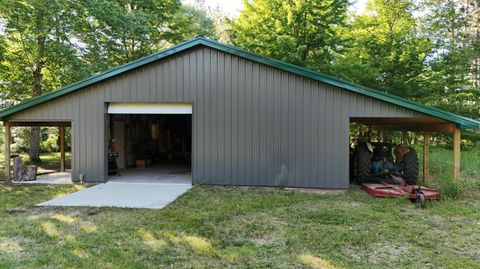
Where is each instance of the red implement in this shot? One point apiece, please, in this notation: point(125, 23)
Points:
point(384, 189)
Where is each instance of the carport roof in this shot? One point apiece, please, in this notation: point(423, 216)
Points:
point(460, 121)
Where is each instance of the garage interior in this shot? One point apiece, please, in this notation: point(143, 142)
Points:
point(150, 148)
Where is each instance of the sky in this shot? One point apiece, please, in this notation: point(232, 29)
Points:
point(232, 7)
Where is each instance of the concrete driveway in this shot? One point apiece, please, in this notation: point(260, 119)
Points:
point(123, 194)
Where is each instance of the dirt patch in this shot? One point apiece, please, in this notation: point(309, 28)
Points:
point(355, 204)
point(279, 189)
point(318, 191)
point(36, 213)
point(39, 212)
point(300, 190)
point(268, 241)
point(261, 229)
point(438, 221)
point(16, 210)
point(378, 253)
point(13, 246)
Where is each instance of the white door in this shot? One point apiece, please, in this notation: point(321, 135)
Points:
point(149, 108)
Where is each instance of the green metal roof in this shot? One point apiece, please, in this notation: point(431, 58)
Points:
point(462, 122)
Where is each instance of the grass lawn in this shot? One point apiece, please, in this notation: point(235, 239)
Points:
point(215, 227)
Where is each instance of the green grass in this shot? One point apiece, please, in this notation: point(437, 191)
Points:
point(441, 163)
point(215, 227)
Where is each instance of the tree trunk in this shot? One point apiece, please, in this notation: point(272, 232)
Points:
point(23, 173)
point(34, 153)
point(30, 173)
point(17, 169)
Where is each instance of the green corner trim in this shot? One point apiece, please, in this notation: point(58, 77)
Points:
point(462, 122)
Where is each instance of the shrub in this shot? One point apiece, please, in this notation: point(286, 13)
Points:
point(50, 144)
point(21, 139)
point(451, 189)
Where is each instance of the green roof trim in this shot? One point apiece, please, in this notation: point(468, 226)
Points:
point(462, 122)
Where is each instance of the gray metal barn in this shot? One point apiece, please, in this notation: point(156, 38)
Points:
point(255, 120)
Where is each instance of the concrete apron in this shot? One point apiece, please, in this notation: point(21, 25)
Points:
point(123, 194)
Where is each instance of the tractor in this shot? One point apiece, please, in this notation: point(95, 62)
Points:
point(381, 175)
point(375, 160)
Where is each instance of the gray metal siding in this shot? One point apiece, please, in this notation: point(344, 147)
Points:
point(248, 119)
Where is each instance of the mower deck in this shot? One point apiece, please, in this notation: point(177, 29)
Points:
point(384, 189)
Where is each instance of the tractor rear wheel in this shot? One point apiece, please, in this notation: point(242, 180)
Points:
point(410, 167)
point(362, 163)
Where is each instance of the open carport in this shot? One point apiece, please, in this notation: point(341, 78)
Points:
point(424, 125)
point(61, 125)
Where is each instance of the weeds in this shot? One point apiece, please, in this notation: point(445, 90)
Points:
point(451, 189)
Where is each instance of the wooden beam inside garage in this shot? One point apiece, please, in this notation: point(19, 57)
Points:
point(456, 153)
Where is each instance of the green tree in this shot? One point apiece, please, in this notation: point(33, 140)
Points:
point(385, 49)
point(216, 15)
point(300, 32)
point(449, 69)
point(119, 31)
point(38, 55)
point(195, 22)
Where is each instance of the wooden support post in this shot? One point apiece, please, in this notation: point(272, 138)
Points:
point(62, 148)
point(456, 154)
point(7, 151)
point(405, 137)
point(426, 155)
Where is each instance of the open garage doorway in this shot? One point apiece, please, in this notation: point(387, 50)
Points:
point(150, 143)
